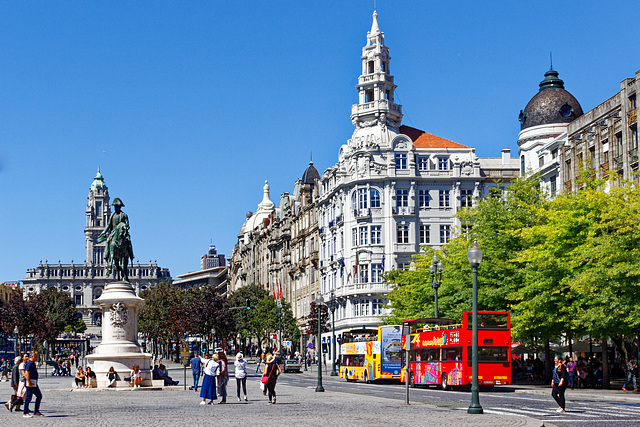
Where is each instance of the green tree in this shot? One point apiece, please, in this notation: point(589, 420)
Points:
point(77, 327)
point(495, 222)
point(58, 307)
point(155, 319)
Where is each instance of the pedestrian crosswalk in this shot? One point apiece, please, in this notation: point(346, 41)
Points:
point(587, 412)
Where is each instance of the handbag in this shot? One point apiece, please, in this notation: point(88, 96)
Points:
point(265, 378)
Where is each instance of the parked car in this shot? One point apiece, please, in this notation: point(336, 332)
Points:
point(292, 365)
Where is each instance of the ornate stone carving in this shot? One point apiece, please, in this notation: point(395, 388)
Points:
point(118, 315)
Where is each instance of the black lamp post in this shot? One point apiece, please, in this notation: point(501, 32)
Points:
point(304, 350)
point(436, 278)
point(319, 304)
point(475, 257)
point(332, 307)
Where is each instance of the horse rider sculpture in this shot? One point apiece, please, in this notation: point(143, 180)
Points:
point(118, 249)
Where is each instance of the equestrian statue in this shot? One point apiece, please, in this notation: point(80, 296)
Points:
point(118, 249)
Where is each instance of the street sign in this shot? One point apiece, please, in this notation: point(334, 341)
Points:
point(287, 343)
point(310, 345)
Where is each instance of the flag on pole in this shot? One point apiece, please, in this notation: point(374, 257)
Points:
point(279, 290)
point(274, 291)
point(382, 259)
point(341, 265)
point(355, 267)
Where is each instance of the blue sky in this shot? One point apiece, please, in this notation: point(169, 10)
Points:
point(188, 107)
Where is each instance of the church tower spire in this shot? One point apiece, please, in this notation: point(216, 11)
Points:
point(375, 84)
point(98, 212)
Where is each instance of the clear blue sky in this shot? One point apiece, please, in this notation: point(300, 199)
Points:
point(187, 107)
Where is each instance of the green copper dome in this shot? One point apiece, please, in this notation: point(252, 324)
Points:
point(98, 182)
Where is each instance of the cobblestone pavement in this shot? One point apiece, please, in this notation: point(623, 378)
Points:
point(66, 406)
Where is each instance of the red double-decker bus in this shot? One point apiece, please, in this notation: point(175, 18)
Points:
point(440, 350)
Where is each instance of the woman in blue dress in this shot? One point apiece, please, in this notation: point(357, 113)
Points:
point(208, 387)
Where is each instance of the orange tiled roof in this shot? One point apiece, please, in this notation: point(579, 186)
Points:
point(423, 139)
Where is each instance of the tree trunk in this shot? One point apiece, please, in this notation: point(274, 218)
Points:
point(547, 362)
point(606, 380)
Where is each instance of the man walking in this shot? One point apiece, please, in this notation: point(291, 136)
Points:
point(31, 382)
point(632, 367)
point(196, 366)
point(559, 383)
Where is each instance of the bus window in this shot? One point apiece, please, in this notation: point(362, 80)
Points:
point(452, 353)
point(490, 321)
point(491, 354)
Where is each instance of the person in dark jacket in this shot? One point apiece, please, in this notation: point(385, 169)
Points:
point(15, 382)
point(559, 383)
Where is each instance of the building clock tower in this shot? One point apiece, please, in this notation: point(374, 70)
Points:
point(98, 212)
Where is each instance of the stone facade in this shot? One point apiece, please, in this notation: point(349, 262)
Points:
point(278, 247)
point(604, 138)
point(393, 190)
point(85, 282)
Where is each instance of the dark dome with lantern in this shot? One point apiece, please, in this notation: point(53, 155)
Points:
point(552, 104)
point(311, 175)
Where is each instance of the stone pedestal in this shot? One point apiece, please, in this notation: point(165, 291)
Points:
point(119, 347)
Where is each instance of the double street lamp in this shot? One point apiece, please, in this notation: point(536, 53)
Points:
point(319, 304)
point(436, 278)
point(475, 257)
point(332, 307)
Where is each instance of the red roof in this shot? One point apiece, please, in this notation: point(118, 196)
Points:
point(422, 139)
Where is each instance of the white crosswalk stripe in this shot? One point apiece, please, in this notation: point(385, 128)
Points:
point(578, 410)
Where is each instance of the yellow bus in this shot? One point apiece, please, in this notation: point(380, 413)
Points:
point(371, 354)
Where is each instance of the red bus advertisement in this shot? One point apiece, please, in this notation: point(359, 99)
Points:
point(440, 350)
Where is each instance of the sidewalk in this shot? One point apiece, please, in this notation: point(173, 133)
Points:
point(296, 406)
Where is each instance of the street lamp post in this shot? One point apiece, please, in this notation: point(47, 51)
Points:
point(332, 307)
point(436, 278)
point(319, 304)
point(304, 350)
point(279, 304)
point(475, 257)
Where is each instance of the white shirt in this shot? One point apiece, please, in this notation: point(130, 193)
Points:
point(241, 368)
point(210, 367)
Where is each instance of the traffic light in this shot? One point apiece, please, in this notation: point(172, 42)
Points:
point(248, 304)
point(324, 347)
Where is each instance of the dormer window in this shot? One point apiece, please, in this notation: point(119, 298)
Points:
point(443, 163)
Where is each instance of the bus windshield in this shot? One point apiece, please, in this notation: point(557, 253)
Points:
point(490, 321)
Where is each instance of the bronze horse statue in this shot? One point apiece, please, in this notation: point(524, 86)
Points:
point(118, 249)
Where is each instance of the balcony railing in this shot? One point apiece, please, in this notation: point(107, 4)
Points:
point(634, 155)
point(339, 219)
point(321, 231)
point(618, 162)
point(362, 213)
point(403, 210)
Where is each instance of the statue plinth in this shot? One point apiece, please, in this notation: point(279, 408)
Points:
point(119, 347)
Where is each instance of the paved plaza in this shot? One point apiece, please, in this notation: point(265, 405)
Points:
point(63, 405)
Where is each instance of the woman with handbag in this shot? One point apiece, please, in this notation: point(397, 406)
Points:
point(208, 387)
point(271, 372)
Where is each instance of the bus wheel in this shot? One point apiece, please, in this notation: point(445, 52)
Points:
point(443, 383)
point(412, 380)
point(366, 377)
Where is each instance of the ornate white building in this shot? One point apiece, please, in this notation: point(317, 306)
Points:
point(85, 282)
point(393, 189)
